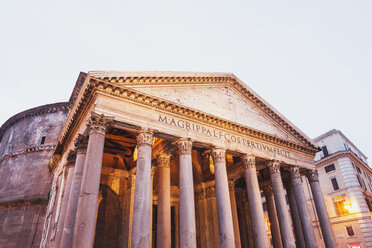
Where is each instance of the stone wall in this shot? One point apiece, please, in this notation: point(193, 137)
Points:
point(25, 179)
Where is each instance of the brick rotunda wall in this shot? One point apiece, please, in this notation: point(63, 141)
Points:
point(27, 141)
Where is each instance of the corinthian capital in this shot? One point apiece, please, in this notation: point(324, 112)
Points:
point(268, 190)
point(164, 160)
point(145, 137)
point(294, 172)
point(219, 155)
point(81, 143)
point(249, 162)
point(274, 166)
point(313, 176)
point(184, 146)
point(98, 123)
point(71, 158)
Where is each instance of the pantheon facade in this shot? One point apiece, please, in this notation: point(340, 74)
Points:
point(163, 159)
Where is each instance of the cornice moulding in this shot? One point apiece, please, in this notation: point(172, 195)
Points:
point(340, 154)
point(27, 150)
point(94, 84)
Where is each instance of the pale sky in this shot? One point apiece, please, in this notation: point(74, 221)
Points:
point(311, 60)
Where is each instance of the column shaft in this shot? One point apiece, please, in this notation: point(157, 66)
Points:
point(274, 223)
point(186, 204)
point(68, 229)
point(163, 229)
point(281, 206)
point(300, 240)
point(142, 192)
point(303, 210)
point(255, 202)
point(234, 213)
point(85, 224)
point(225, 224)
point(62, 212)
point(321, 209)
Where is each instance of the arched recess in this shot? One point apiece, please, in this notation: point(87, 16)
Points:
point(108, 227)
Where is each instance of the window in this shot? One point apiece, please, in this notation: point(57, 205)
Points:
point(8, 148)
point(42, 140)
point(325, 151)
point(369, 203)
point(340, 204)
point(361, 182)
point(329, 168)
point(335, 184)
point(350, 231)
point(358, 169)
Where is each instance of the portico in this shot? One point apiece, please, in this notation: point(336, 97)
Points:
point(159, 162)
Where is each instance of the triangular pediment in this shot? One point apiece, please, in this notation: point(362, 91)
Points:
point(221, 95)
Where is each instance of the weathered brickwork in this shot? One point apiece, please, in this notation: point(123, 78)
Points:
point(25, 150)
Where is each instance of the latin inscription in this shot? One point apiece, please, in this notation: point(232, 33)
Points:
point(221, 135)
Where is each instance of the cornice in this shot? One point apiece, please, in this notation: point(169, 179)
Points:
point(175, 78)
point(31, 149)
point(115, 86)
point(162, 104)
point(345, 153)
point(45, 109)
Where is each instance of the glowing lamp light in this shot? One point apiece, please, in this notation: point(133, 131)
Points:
point(347, 206)
point(355, 246)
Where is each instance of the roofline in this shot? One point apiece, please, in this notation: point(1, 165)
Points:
point(333, 131)
point(339, 154)
point(261, 103)
point(48, 108)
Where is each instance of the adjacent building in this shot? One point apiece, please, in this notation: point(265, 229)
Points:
point(346, 181)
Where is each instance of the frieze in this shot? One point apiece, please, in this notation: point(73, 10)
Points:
point(223, 78)
point(96, 84)
point(231, 138)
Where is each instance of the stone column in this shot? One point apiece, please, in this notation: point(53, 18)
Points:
point(71, 157)
point(303, 210)
point(225, 223)
point(85, 224)
point(186, 187)
point(321, 209)
point(255, 202)
point(274, 224)
point(281, 205)
point(141, 225)
point(81, 144)
point(300, 240)
point(234, 213)
point(163, 229)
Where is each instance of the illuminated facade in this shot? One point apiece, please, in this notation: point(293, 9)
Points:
point(346, 181)
point(158, 159)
